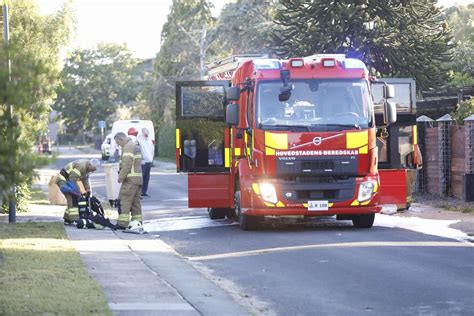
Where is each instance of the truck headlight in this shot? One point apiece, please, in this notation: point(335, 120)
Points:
point(366, 189)
point(268, 193)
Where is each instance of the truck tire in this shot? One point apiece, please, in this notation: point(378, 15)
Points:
point(230, 213)
point(216, 213)
point(246, 222)
point(363, 220)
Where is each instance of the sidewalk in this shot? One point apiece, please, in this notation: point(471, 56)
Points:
point(140, 274)
point(465, 221)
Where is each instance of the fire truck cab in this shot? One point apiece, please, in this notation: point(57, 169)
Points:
point(269, 137)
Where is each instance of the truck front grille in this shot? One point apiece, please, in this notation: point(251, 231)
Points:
point(332, 189)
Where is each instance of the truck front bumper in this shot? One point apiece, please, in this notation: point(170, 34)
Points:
point(289, 211)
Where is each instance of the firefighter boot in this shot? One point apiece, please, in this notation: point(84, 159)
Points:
point(122, 222)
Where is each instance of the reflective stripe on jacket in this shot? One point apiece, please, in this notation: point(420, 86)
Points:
point(77, 171)
point(130, 163)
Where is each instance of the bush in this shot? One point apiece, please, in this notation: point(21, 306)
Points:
point(464, 109)
point(23, 196)
point(167, 140)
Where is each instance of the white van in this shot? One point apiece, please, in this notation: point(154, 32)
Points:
point(123, 126)
point(105, 147)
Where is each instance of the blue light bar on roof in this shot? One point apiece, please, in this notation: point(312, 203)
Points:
point(266, 64)
point(351, 63)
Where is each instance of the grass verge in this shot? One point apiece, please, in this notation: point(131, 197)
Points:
point(448, 203)
point(458, 208)
point(38, 197)
point(41, 273)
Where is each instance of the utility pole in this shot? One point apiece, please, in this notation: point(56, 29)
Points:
point(6, 40)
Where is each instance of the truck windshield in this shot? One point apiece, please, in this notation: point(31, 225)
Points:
point(317, 104)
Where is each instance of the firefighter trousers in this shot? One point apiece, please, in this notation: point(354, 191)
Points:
point(71, 213)
point(129, 196)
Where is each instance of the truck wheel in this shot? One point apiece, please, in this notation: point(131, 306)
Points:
point(230, 213)
point(246, 222)
point(363, 220)
point(216, 213)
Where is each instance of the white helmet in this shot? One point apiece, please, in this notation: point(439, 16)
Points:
point(135, 227)
point(95, 163)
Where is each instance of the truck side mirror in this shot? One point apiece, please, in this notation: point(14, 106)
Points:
point(389, 91)
point(233, 94)
point(389, 113)
point(232, 114)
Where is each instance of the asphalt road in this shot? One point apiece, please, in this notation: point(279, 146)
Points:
point(316, 267)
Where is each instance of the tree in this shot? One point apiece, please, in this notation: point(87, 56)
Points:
point(35, 44)
point(184, 40)
point(180, 50)
point(403, 38)
point(463, 110)
point(94, 83)
point(245, 27)
point(461, 68)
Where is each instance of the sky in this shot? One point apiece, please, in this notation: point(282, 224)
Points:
point(135, 22)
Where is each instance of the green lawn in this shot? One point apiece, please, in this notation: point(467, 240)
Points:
point(42, 274)
point(38, 197)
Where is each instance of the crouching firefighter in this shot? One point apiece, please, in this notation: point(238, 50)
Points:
point(130, 176)
point(73, 181)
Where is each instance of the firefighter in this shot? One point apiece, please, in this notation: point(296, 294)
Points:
point(132, 133)
point(130, 176)
point(73, 180)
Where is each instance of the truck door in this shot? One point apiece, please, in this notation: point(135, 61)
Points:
point(202, 142)
point(397, 142)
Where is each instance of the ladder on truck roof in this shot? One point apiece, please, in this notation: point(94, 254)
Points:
point(224, 68)
point(318, 57)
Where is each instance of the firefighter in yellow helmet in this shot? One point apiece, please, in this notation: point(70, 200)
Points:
point(73, 180)
point(130, 175)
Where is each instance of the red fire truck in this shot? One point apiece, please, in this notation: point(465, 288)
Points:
point(298, 138)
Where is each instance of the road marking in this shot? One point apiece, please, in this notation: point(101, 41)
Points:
point(336, 245)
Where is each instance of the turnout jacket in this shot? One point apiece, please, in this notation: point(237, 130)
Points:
point(130, 164)
point(76, 171)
